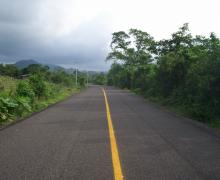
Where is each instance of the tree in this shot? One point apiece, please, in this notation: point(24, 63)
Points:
point(182, 70)
point(36, 69)
point(38, 85)
point(133, 50)
point(99, 78)
point(9, 70)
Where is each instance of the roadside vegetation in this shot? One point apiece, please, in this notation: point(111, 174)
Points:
point(182, 72)
point(28, 90)
point(98, 78)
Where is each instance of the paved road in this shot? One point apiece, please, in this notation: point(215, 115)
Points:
point(71, 141)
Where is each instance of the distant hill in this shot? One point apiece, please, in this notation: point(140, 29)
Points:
point(25, 63)
point(54, 67)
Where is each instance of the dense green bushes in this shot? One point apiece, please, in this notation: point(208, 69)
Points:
point(24, 89)
point(19, 97)
point(21, 101)
point(11, 106)
point(38, 85)
point(183, 71)
point(61, 77)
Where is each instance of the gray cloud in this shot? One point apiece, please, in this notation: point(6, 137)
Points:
point(24, 36)
point(18, 11)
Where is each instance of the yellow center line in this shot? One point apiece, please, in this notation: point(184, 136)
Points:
point(114, 148)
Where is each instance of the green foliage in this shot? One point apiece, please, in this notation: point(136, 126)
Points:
point(7, 108)
point(36, 69)
point(61, 77)
point(8, 85)
point(13, 106)
point(24, 105)
point(24, 89)
point(183, 71)
point(38, 85)
point(40, 88)
point(9, 70)
point(82, 81)
point(99, 79)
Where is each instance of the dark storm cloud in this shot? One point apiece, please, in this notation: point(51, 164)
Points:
point(15, 24)
point(23, 37)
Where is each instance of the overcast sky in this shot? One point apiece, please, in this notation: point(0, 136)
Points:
point(77, 33)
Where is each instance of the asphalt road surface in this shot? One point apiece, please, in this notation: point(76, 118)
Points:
point(71, 140)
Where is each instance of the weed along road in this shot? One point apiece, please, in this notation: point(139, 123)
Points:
point(106, 134)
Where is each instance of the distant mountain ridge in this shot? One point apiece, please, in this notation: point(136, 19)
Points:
point(25, 63)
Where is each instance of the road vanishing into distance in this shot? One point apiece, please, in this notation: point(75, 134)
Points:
point(108, 134)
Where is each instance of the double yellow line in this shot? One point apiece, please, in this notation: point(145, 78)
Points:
point(114, 148)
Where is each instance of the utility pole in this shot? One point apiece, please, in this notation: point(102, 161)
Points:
point(76, 76)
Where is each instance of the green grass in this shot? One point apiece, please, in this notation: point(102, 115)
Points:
point(8, 85)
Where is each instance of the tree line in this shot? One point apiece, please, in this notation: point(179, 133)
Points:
point(183, 70)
